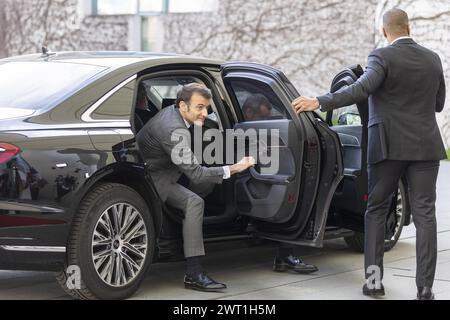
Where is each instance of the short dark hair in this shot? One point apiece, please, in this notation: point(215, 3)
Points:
point(395, 21)
point(186, 92)
point(255, 102)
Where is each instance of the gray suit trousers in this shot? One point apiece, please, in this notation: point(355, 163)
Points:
point(190, 201)
point(421, 177)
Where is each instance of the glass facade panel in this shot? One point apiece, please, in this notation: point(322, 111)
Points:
point(112, 7)
point(151, 6)
point(119, 7)
point(179, 6)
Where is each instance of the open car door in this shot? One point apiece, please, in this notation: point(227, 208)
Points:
point(287, 199)
point(350, 123)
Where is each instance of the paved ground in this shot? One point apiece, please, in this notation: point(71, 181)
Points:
point(246, 268)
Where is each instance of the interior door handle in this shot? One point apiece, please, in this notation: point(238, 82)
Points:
point(271, 179)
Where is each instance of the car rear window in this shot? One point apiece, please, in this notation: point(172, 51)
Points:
point(36, 85)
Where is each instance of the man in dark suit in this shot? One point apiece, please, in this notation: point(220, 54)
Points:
point(180, 180)
point(405, 86)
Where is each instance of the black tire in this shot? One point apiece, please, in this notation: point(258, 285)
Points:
point(396, 221)
point(103, 203)
point(394, 224)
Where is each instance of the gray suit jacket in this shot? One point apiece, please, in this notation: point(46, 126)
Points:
point(405, 86)
point(164, 136)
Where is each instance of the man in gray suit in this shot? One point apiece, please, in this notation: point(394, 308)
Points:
point(405, 86)
point(180, 180)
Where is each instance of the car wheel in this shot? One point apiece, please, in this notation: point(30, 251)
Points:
point(396, 220)
point(394, 224)
point(112, 242)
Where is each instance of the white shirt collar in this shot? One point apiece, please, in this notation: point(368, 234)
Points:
point(186, 123)
point(400, 38)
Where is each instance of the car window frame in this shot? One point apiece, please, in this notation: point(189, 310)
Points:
point(266, 80)
point(87, 115)
point(216, 103)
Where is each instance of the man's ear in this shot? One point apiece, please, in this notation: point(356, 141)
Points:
point(384, 33)
point(183, 106)
point(408, 30)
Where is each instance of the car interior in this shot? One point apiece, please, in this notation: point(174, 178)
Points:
point(347, 123)
point(160, 93)
point(228, 198)
point(350, 123)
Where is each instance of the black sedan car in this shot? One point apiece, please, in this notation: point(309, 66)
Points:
point(75, 196)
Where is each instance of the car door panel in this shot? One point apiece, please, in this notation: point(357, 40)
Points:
point(269, 197)
point(318, 167)
point(351, 141)
point(350, 199)
point(330, 174)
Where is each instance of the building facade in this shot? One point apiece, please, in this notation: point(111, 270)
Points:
point(309, 40)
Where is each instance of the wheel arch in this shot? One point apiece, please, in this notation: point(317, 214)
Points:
point(130, 175)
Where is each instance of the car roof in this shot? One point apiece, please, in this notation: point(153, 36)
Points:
point(113, 59)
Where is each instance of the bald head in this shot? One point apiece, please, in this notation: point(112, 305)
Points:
point(395, 23)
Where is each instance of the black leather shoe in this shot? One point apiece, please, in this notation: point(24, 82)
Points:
point(373, 292)
point(293, 263)
point(202, 282)
point(425, 293)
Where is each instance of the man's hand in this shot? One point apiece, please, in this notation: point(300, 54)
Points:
point(302, 104)
point(242, 165)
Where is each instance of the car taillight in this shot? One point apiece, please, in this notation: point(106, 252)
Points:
point(7, 151)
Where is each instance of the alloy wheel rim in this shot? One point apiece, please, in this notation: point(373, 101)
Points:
point(119, 245)
point(398, 213)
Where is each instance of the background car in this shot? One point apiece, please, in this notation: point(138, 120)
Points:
point(75, 194)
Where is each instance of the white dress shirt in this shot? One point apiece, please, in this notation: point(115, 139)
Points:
point(400, 38)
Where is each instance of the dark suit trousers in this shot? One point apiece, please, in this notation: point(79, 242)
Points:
point(189, 199)
point(383, 182)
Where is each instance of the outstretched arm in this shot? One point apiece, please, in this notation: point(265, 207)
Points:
point(179, 149)
point(368, 83)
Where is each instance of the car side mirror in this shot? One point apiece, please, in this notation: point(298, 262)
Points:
point(349, 118)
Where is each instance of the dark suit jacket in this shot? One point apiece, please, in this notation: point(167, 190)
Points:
point(164, 134)
point(145, 115)
point(405, 86)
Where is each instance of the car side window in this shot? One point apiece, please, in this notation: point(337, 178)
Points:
point(162, 92)
point(118, 106)
point(257, 101)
